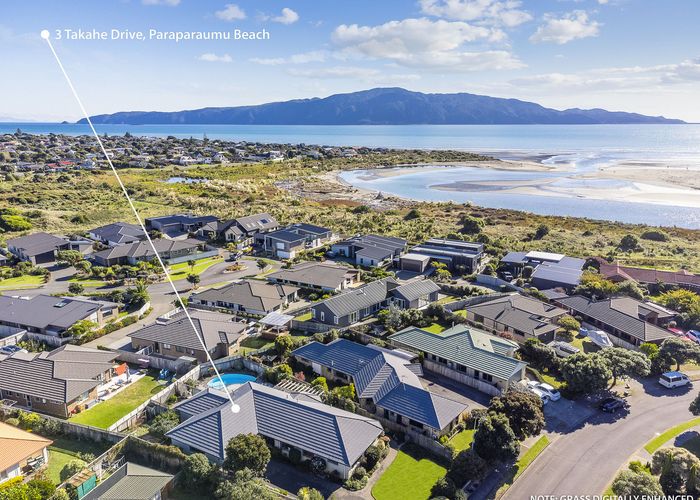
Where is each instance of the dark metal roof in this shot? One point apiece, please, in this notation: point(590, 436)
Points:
point(43, 311)
point(37, 243)
point(131, 482)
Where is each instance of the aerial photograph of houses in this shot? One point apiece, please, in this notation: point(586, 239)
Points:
point(350, 250)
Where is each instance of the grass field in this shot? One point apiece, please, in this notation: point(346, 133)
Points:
point(63, 450)
point(435, 328)
point(254, 343)
point(409, 477)
point(304, 317)
point(21, 282)
point(106, 413)
point(659, 440)
point(463, 440)
point(181, 270)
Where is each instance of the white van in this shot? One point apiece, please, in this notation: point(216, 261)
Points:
point(564, 349)
point(673, 379)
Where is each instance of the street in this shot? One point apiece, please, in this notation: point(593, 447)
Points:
point(585, 460)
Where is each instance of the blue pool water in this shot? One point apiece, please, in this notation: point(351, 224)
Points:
point(230, 379)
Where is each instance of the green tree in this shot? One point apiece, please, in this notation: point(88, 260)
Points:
point(472, 225)
point(679, 351)
point(197, 472)
point(539, 355)
point(623, 362)
point(443, 488)
point(695, 406)
point(308, 493)
point(163, 423)
point(80, 328)
point(586, 373)
point(76, 288)
point(593, 284)
point(247, 451)
point(138, 295)
point(678, 470)
point(631, 484)
point(629, 242)
point(194, 279)
point(84, 267)
point(523, 410)
point(321, 383)
point(541, 231)
point(13, 223)
point(284, 344)
point(467, 466)
point(261, 264)
point(69, 257)
point(494, 440)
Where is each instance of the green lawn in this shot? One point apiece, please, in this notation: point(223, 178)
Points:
point(63, 450)
point(463, 440)
point(523, 463)
point(659, 440)
point(181, 270)
point(104, 414)
point(585, 344)
point(89, 282)
point(254, 343)
point(26, 281)
point(304, 317)
point(435, 328)
point(409, 477)
point(544, 377)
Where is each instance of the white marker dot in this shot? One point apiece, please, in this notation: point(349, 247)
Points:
point(45, 34)
point(235, 408)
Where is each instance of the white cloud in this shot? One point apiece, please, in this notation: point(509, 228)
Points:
point(303, 58)
point(288, 16)
point(369, 75)
point(169, 3)
point(211, 57)
point(571, 26)
point(230, 12)
point(425, 43)
point(506, 13)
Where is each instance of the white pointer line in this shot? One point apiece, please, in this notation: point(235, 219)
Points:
point(46, 36)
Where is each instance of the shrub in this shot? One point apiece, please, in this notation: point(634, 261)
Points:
point(71, 469)
point(12, 421)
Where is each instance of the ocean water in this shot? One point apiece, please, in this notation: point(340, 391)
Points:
point(584, 147)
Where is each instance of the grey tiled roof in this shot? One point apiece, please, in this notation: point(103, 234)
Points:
point(385, 378)
point(251, 294)
point(416, 289)
point(131, 482)
point(119, 232)
point(318, 274)
point(213, 328)
point(59, 375)
point(45, 310)
point(37, 243)
point(521, 313)
point(285, 235)
point(257, 222)
point(618, 313)
point(142, 249)
point(361, 297)
point(468, 347)
point(329, 432)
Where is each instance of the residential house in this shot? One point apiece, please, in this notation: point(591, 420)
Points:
point(59, 382)
point(178, 225)
point(360, 303)
point(370, 250)
point(172, 335)
point(459, 256)
point(324, 276)
point(467, 355)
point(133, 253)
point(618, 273)
point(22, 451)
point(134, 482)
point(118, 233)
point(550, 270)
point(49, 315)
point(242, 230)
point(37, 248)
point(387, 385)
point(299, 427)
point(249, 296)
point(628, 322)
point(288, 242)
point(521, 316)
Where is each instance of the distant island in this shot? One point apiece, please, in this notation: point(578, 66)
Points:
point(385, 106)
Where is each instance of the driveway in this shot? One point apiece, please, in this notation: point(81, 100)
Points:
point(583, 458)
point(291, 479)
point(450, 389)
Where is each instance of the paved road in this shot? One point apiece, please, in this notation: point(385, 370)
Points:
point(585, 460)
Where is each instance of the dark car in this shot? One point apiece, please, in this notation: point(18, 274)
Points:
point(612, 404)
point(10, 349)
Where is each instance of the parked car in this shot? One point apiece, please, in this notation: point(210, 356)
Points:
point(507, 276)
point(612, 404)
point(534, 387)
point(564, 349)
point(693, 335)
point(671, 380)
point(546, 389)
point(9, 350)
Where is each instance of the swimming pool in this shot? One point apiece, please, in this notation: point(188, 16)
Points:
point(230, 379)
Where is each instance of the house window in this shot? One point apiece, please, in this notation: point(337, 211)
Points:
point(461, 368)
point(166, 346)
point(335, 320)
point(323, 316)
point(487, 377)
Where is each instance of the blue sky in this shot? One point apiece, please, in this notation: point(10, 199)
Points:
point(631, 55)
